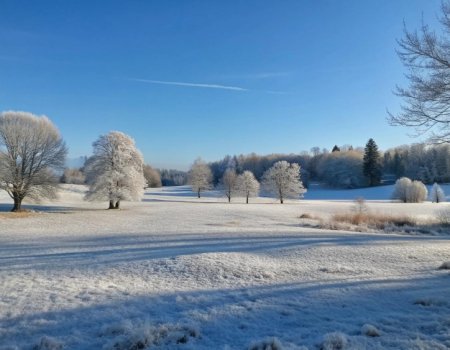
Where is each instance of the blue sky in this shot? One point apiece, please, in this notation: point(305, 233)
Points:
point(209, 78)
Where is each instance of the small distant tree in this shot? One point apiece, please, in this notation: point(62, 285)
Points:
point(437, 194)
point(283, 180)
point(372, 163)
point(152, 176)
point(73, 176)
point(114, 172)
point(200, 177)
point(229, 183)
point(401, 189)
point(31, 149)
point(336, 149)
point(248, 185)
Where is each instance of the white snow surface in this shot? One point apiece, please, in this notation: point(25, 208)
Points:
point(177, 272)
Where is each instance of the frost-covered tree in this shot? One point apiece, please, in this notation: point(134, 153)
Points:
point(372, 163)
point(409, 191)
point(248, 185)
point(229, 183)
point(115, 171)
point(152, 176)
point(416, 192)
point(73, 176)
point(283, 180)
point(401, 189)
point(31, 149)
point(426, 55)
point(200, 177)
point(437, 194)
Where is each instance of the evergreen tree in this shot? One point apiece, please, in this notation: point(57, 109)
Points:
point(336, 149)
point(372, 163)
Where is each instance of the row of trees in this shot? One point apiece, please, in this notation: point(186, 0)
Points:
point(282, 180)
point(414, 191)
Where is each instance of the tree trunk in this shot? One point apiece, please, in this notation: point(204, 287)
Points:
point(198, 193)
point(17, 204)
point(111, 204)
point(229, 199)
point(247, 199)
point(117, 206)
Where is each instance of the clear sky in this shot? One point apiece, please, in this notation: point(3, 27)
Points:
point(209, 78)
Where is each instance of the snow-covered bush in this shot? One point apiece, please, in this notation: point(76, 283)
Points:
point(200, 177)
point(416, 192)
point(437, 194)
point(409, 191)
point(370, 330)
point(401, 188)
point(283, 180)
point(334, 341)
point(266, 344)
point(248, 186)
point(114, 172)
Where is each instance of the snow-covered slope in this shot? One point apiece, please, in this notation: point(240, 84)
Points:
point(177, 272)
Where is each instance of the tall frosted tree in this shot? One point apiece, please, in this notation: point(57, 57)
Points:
point(229, 183)
point(31, 149)
point(152, 177)
point(283, 181)
point(200, 177)
point(115, 171)
point(248, 185)
point(372, 163)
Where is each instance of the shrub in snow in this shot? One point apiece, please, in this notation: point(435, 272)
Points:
point(114, 172)
point(48, 343)
point(443, 216)
point(200, 177)
point(409, 191)
point(437, 194)
point(416, 192)
point(370, 330)
point(334, 341)
point(128, 336)
point(400, 189)
point(283, 180)
point(266, 344)
point(248, 186)
point(445, 266)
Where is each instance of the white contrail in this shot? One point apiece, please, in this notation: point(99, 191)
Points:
point(180, 83)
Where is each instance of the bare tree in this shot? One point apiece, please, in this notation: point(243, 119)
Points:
point(426, 55)
point(248, 185)
point(200, 177)
point(229, 183)
point(31, 149)
point(152, 176)
point(114, 172)
point(283, 180)
point(73, 176)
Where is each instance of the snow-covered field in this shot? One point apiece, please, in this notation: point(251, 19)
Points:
point(177, 272)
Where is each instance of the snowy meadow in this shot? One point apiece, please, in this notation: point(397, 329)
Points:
point(177, 272)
